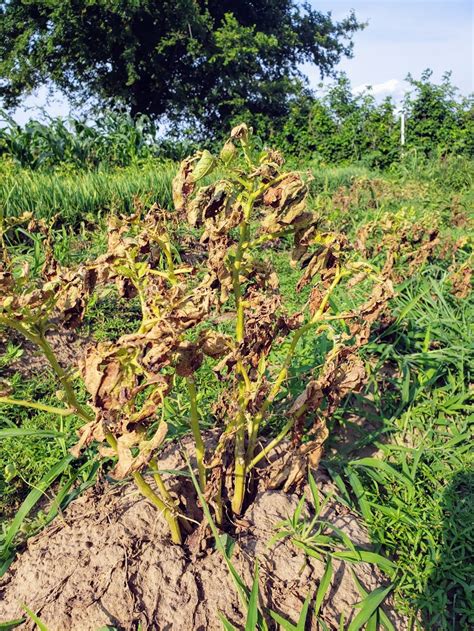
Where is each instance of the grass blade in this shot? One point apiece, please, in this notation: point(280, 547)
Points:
point(284, 624)
point(360, 495)
point(228, 626)
point(252, 612)
point(31, 500)
point(39, 623)
point(11, 624)
point(384, 619)
point(323, 586)
point(15, 432)
point(384, 467)
point(301, 626)
point(369, 606)
point(365, 556)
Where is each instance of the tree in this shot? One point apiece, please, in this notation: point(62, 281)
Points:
point(437, 119)
point(204, 62)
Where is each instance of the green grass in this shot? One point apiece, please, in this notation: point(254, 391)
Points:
point(79, 196)
point(417, 496)
point(24, 460)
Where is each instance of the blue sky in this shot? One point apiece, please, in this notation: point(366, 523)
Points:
point(406, 36)
point(402, 36)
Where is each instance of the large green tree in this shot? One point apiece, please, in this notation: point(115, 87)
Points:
point(200, 61)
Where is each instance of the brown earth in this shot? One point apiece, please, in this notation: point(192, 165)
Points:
point(108, 561)
point(68, 348)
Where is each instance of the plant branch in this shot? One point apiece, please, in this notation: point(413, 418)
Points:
point(37, 406)
point(194, 422)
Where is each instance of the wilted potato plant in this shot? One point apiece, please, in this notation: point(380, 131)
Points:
point(206, 290)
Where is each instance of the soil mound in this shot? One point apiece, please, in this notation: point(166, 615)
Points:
point(108, 561)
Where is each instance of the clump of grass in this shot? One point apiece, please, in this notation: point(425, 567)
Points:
point(417, 497)
point(24, 459)
point(79, 195)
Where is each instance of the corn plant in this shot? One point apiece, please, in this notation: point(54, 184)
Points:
point(115, 139)
point(207, 293)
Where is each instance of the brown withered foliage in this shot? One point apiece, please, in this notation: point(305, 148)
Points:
point(342, 374)
point(461, 279)
point(369, 312)
point(192, 291)
point(405, 243)
point(324, 260)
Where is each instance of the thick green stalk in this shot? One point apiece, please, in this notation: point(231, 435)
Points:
point(160, 484)
point(39, 339)
point(278, 438)
point(169, 501)
point(146, 490)
point(272, 444)
point(241, 458)
point(217, 505)
point(239, 465)
point(190, 384)
point(273, 392)
point(64, 380)
point(194, 422)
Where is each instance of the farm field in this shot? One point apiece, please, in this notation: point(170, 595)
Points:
point(363, 371)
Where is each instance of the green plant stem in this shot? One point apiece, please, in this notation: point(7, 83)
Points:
point(272, 444)
point(64, 380)
point(40, 340)
point(160, 484)
point(280, 436)
point(166, 248)
point(190, 383)
point(194, 422)
point(37, 406)
point(137, 282)
point(241, 457)
point(255, 424)
point(218, 506)
point(169, 261)
point(146, 490)
point(239, 465)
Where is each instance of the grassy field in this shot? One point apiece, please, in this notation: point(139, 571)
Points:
point(399, 452)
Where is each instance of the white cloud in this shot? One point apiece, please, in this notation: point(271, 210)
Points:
point(392, 86)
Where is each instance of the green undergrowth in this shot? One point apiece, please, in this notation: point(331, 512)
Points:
point(413, 483)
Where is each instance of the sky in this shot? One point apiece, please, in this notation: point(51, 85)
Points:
point(406, 36)
point(402, 36)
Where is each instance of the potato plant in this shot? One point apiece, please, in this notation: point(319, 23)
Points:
point(207, 292)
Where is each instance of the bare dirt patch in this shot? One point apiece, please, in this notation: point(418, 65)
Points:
point(108, 561)
point(68, 348)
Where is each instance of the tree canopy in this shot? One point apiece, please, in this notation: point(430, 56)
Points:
point(203, 62)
